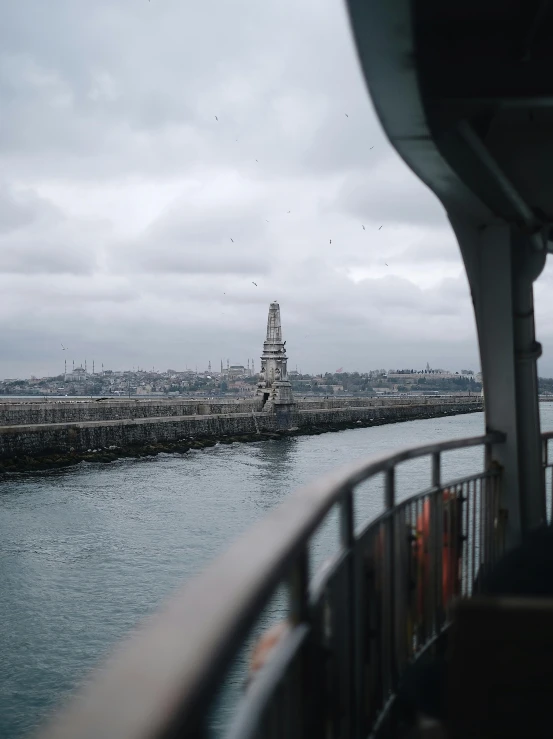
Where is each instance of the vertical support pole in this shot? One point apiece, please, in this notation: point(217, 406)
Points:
point(435, 544)
point(298, 585)
point(347, 541)
point(436, 470)
point(388, 595)
point(488, 510)
point(545, 455)
point(487, 457)
point(502, 265)
point(346, 520)
point(390, 489)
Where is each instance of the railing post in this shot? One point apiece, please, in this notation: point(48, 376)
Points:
point(346, 520)
point(436, 469)
point(347, 541)
point(390, 489)
point(435, 544)
point(298, 593)
point(298, 585)
point(388, 588)
point(548, 493)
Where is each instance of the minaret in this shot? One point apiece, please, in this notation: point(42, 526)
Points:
point(221, 366)
point(274, 386)
point(65, 370)
point(209, 366)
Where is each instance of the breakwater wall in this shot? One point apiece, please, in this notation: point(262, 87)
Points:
point(70, 411)
point(62, 411)
point(39, 446)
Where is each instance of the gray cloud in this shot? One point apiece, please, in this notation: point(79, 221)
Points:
point(121, 193)
point(20, 208)
point(43, 257)
point(195, 240)
point(14, 212)
point(391, 195)
point(36, 237)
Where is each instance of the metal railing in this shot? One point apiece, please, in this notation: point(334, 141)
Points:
point(382, 600)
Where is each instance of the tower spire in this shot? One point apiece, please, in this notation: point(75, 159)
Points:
point(274, 329)
point(274, 386)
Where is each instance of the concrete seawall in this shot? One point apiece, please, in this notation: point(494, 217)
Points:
point(47, 445)
point(18, 414)
point(13, 413)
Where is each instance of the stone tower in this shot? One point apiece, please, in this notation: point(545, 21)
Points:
point(274, 386)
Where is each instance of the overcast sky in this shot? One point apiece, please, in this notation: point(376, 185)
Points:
point(133, 223)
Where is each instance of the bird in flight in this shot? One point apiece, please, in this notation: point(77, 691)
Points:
point(331, 241)
point(364, 229)
point(64, 348)
point(266, 220)
point(289, 211)
point(347, 116)
point(386, 263)
point(379, 228)
point(371, 147)
point(254, 283)
point(232, 241)
point(216, 118)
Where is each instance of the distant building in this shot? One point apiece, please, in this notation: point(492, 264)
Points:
point(237, 370)
point(79, 374)
point(407, 376)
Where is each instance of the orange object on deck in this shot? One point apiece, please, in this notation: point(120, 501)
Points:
point(451, 549)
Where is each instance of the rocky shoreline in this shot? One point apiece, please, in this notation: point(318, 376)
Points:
point(52, 459)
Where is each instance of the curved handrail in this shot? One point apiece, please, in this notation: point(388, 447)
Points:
point(163, 677)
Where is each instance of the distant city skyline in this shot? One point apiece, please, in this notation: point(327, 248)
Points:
point(93, 368)
point(274, 385)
